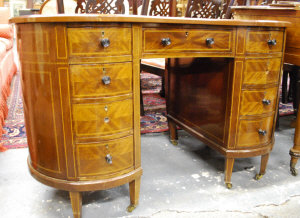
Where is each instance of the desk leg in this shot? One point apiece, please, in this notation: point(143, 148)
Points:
point(76, 201)
point(295, 151)
point(263, 166)
point(228, 171)
point(173, 132)
point(134, 192)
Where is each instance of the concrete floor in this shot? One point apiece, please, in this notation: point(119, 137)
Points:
point(184, 181)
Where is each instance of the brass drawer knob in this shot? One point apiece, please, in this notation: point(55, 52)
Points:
point(272, 42)
point(262, 132)
point(266, 102)
point(105, 42)
point(106, 120)
point(108, 159)
point(106, 80)
point(210, 41)
point(166, 41)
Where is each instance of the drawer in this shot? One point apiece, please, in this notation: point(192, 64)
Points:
point(90, 41)
point(187, 40)
point(101, 79)
point(253, 133)
point(98, 119)
point(104, 158)
point(255, 102)
point(261, 71)
point(264, 41)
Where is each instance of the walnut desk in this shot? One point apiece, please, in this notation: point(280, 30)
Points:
point(292, 49)
point(80, 79)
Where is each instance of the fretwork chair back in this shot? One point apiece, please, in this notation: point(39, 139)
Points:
point(89, 7)
point(164, 8)
point(213, 9)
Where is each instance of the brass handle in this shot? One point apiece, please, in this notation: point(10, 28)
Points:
point(262, 132)
point(272, 42)
point(210, 41)
point(108, 159)
point(166, 41)
point(266, 102)
point(106, 80)
point(105, 42)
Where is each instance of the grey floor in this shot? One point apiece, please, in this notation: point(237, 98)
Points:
point(182, 181)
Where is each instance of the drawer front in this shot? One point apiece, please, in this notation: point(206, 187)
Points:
point(188, 40)
point(255, 102)
point(104, 158)
point(263, 41)
point(261, 71)
point(95, 119)
point(101, 79)
point(87, 41)
point(254, 132)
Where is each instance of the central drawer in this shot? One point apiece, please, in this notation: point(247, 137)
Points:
point(105, 158)
point(205, 40)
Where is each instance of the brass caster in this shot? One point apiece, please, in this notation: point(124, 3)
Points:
point(131, 207)
point(228, 185)
point(293, 170)
point(174, 142)
point(258, 176)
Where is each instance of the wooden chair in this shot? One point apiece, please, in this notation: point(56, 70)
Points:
point(90, 6)
point(213, 9)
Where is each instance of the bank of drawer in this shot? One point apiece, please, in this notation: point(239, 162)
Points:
point(263, 41)
point(87, 41)
point(188, 40)
point(255, 102)
point(261, 71)
point(98, 119)
point(104, 158)
point(254, 132)
point(101, 79)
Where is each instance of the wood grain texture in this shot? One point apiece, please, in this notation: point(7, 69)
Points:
point(91, 159)
point(93, 140)
point(249, 136)
point(87, 80)
point(87, 42)
point(252, 101)
point(257, 41)
point(187, 40)
point(261, 71)
point(102, 118)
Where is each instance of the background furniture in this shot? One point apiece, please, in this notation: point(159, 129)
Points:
point(92, 140)
point(7, 65)
point(292, 50)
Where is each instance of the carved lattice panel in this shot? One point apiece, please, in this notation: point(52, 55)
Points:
point(206, 9)
point(160, 8)
point(100, 6)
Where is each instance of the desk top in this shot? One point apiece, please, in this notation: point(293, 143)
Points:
point(143, 19)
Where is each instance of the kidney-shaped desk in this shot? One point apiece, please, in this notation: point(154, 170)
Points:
point(81, 81)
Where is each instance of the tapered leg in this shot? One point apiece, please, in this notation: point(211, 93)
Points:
point(134, 192)
point(295, 151)
point(173, 132)
point(263, 166)
point(293, 163)
point(76, 201)
point(228, 171)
